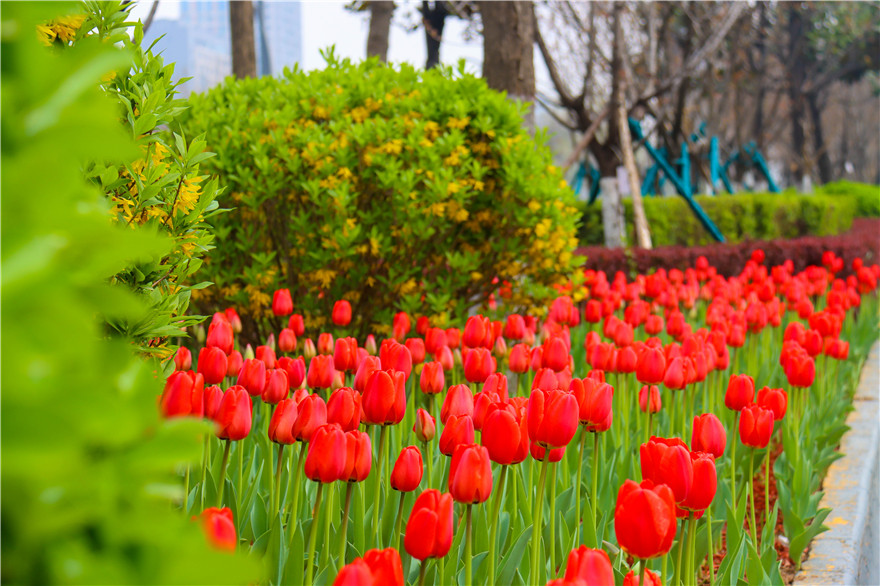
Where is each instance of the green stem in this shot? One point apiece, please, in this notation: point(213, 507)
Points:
point(278, 469)
point(222, 477)
point(344, 527)
point(767, 488)
point(663, 575)
point(295, 486)
point(422, 568)
point(553, 521)
point(734, 433)
point(537, 524)
point(380, 455)
point(468, 547)
point(751, 487)
point(207, 460)
point(643, 566)
point(679, 570)
point(396, 541)
point(595, 472)
point(313, 534)
point(238, 487)
point(577, 493)
point(429, 462)
point(493, 530)
point(692, 532)
point(186, 488)
point(325, 550)
point(711, 547)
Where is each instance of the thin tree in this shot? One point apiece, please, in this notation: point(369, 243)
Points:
point(241, 25)
point(381, 12)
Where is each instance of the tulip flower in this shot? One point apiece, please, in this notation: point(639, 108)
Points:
point(593, 399)
point(416, 347)
point(546, 380)
point(212, 365)
point(475, 331)
point(470, 482)
point(555, 355)
point(344, 408)
point(756, 426)
point(253, 376)
point(358, 462)
point(644, 519)
point(384, 399)
point(326, 343)
point(295, 369)
point(519, 359)
point(321, 371)
point(552, 417)
point(233, 416)
point(182, 359)
point(505, 434)
point(407, 472)
point(377, 568)
point(515, 327)
point(212, 398)
point(430, 526)
point(651, 367)
point(424, 427)
point(776, 400)
point(365, 370)
point(219, 528)
point(183, 395)
point(708, 435)
point(234, 363)
point(341, 314)
point(220, 336)
point(276, 387)
point(457, 430)
point(282, 421)
point(233, 318)
point(282, 303)
point(668, 461)
point(590, 565)
point(459, 401)
point(297, 324)
point(740, 392)
point(287, 341)
point(800, 371)
point(312, 415)
point(649, 399)
point(646, 578)
point(435, 340)
point(395, 356)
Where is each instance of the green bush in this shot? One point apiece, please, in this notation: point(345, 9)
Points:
point(393, 188)
point(755, 216)
point(89, 488)
point(867, 196)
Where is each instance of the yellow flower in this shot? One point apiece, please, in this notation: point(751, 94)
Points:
point(458, 123)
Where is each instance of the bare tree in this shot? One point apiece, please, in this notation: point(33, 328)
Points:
point(381, 12)
point(508, 56)
point(244, 51)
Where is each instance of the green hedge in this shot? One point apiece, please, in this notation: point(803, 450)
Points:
point(866, 196)
point(739, 217)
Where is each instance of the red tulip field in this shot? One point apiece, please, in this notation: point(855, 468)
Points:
point(628, 437)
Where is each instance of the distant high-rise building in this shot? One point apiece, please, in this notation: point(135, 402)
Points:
point(201, 45)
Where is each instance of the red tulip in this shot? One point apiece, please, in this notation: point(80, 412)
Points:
point(519, 359)
point(384, 400)
point(555, 355)
point(341, 315)
point(378, 567)
point(505, 434)
point(287, 340)
point(552, 417)
point(432, 380)
point(740, 392)
point(365, 370)
point(429, 529)
point(590, 565)
point(220, 336)
point(457, 430)
point(276, 387)
point(475, 331)
point(267, 354)
point(234, 363)
point(297, 324)
point(594, 400)
point(538, 452)
point(312, 415)
point(407, 472)
point(325, 343)
point(344, 408)
point(253, 376)
point(183, 395)
point(282, 303)
point(212, 365)
point(358, 456)
point(459, 401)
point(400, 326)
point(470, 475)
point(676, 376)
point(478, 365)
point(425, 426)
point(756, 426)
point(651, 367)
point(326, 458)
point(705, 482)
point(233, 318)
point(395, 356)
point(668, 461)
point(183, 359)
point(233, 416)
point(708, 435)
point(295, 369)
point(800, 370)
point(776, 400)
point(651, 579)
point(320, 372)
point(515, 328)
point(644, 519)
point(654, 402)
point(281, 424)
point(546, 380)
point(219, 528)
point(446, 358)
point(357, 573)
point(345, 355)
point(212, 398)
point(435, 340)
point(416, 347)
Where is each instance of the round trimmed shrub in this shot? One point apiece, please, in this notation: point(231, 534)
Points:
point(390, 187)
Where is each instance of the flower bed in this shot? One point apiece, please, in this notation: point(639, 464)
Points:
point(636, 438)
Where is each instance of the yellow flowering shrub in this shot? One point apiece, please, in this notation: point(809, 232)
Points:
point(393, 188)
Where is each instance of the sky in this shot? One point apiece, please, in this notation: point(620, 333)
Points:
point(327, 23)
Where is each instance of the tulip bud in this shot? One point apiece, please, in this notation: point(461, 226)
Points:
point(429, 529)
point(344, 408)
point(370, 344)
point(233, 416)
point(432, 380)
point(708, 435)
point(425, 426)
point(253, 377)
point(358, 456)
point(649, 398)
point(459, 401)
point(457, 430)
point(312, 414)
point(552, 417)
point(644, 519)
point(519, 359)
point(416, 347)
point(287, 341)
point(183, 359)
point(276, 387)
point(282, 303)
point(384, 400)
point(321, 370)
point(756, 426)
point(295, 369)
point(212, 365)
point(281, 424)
point(220, 336)
point(590, 565)
point(407, 472)
point(297, 324)
point(219, 528)
point(740, 392)
point(341, 314)
point(325, 343)
point(470, 475)
point(326, 458)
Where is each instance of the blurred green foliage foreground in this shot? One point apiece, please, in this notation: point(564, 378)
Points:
point(88, 469)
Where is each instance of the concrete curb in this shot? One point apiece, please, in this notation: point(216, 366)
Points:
point(849, 552)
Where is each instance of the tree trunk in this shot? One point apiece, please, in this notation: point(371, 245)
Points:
point(761, 45)
point(643, 235)
point(508, 57)
point(244, 51)
point(796, 76)
point(433, 18)
point(820, 149)
point(380, 27)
